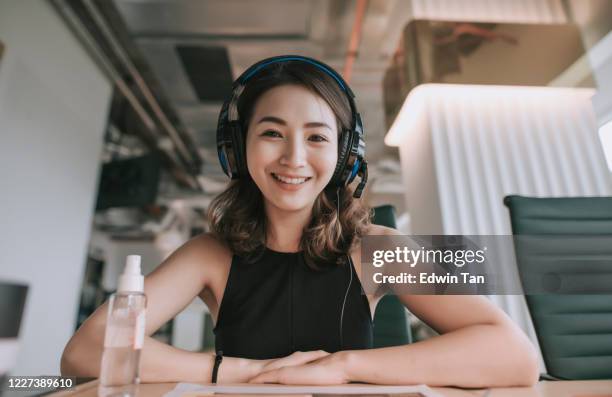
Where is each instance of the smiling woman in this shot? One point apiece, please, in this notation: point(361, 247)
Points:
point(299, 126)
point(280, 272)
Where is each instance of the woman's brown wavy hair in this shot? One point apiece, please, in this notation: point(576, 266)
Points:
point(237, 215)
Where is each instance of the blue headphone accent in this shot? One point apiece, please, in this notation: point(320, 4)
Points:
point(222, 159)
point(355, 169)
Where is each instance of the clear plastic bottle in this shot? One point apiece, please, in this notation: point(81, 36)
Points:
point(124, 336)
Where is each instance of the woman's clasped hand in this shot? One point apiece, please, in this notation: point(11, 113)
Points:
point(305, 368)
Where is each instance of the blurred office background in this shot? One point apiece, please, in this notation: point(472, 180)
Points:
point(108, 114)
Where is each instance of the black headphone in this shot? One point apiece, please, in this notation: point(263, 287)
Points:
point(351, 145)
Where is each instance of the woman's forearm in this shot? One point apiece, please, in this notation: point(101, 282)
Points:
point(475, 356)
point(164, 363)
point(159, 362)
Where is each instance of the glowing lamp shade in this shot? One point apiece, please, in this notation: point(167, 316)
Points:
point(602, 103)
point(600, 57)
point(605, 135)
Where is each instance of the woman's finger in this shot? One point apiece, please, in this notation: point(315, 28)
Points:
point(297, 358)
point(309, 374)
point(309, 356)
point(266, 377)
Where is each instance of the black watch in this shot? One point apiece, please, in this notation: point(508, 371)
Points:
point(218, 359)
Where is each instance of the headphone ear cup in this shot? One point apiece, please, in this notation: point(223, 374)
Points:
point(239, 150)
point(223, 137)
point(343, 153)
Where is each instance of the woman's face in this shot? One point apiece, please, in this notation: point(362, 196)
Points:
point(291, 146)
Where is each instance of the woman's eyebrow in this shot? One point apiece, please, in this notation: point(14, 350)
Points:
point(277, 120)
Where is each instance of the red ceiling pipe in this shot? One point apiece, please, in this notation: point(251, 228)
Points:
point(354, 40)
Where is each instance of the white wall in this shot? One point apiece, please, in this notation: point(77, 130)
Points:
point(53, 109)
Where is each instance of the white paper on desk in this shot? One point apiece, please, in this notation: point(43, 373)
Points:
point(193, 389)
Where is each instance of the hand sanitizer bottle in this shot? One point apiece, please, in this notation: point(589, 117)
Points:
point(124, 336)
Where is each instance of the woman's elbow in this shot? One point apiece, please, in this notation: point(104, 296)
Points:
point(81, 358)
point(525, 362)
point(68, 362)
point(530, 367)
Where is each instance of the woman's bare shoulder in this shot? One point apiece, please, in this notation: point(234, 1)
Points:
point(373, 230)
point(379, 230)
point(201, 254)
point(208, 248)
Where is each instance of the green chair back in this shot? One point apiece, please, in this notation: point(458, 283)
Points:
point(390, 327)
point(574, 331)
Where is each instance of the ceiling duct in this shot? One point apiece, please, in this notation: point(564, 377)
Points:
point(208, 70)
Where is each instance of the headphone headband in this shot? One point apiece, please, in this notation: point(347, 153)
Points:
point(262, 64)
point(230, 137)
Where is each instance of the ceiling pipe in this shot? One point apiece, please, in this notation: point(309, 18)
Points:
point(355, 38)
point(106, 66)
point(109, 70)
point(144, 89)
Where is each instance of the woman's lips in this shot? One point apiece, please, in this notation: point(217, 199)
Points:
point(286, 184)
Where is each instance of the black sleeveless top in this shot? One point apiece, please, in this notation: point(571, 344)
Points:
point(278, 305)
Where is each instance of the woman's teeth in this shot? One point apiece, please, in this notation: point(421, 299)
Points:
point(292, 181)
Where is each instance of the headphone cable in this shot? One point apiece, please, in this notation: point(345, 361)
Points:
point(349, 263)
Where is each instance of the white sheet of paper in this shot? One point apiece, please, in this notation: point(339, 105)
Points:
point(193, 389)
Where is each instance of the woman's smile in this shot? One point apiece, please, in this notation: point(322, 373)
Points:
point(290, 183)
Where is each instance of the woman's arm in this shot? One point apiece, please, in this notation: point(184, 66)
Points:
point(480, 347)
point(159, 363)
point(169, 289)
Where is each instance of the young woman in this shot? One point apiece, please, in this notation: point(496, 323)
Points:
point(280, 270)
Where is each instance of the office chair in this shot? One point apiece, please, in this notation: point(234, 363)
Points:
point(390, 327)
point(574, 330)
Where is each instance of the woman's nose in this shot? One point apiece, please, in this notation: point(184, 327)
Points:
point(294, 154)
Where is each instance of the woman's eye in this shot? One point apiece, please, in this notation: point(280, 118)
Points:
point(270, 133)
point(318, 138)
